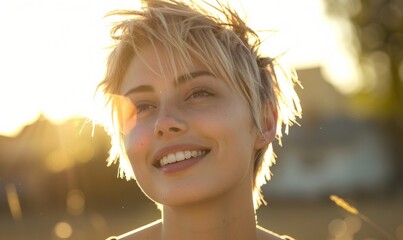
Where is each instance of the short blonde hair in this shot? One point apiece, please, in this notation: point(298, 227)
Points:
point(224, 44)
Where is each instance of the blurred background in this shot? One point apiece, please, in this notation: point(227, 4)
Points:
point(54, 183)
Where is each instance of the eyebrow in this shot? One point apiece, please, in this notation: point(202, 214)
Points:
point(142, 88)
point(179, 81)
point(187, 77)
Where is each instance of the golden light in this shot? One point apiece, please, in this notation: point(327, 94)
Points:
point(52, 56)
point(13, 201)
point(354, 224)
point(82, 151)
point(63, 230)
point(344, 228)
point(58, 160)
point(98, 222)
point(337, 228)
point(53, 52)
point(75, 202)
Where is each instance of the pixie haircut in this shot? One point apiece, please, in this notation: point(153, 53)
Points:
point(220, 40)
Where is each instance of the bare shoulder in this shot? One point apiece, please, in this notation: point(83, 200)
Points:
point(147, 232)
point(264, 234)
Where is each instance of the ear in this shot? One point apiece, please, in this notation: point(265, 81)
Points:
point(269, 126)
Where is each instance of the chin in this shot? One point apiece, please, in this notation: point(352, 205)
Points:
point(184, 195)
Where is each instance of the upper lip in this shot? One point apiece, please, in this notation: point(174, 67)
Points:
point(159, 154)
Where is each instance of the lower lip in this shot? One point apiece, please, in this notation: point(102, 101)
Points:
point(182, 165)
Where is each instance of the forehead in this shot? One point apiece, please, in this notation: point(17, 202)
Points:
point(155, 64)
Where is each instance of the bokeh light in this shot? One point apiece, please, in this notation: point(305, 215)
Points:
point(344, 229)
point(82, 151)
point(98, 222)
point(75, 202)
point(58, 160)
point(353, 224)
point(337, 228)
point(13, 201)
point(63, 230)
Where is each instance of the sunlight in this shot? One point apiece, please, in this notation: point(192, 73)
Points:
point(63, 230)
point(13, 201)
point(54, 53)
point(75, 202)
point(58, 161)
point(52, 59)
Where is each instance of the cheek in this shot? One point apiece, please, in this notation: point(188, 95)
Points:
point(231, 120)
point(137, 144)
point(236, 128)
point(230, 126)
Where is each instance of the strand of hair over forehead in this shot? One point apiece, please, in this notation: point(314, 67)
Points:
point(163, 8)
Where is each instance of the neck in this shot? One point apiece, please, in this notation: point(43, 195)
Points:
point(230, 216)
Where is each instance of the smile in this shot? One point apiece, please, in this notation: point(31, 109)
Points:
point(180, 156)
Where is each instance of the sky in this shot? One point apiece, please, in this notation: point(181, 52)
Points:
point(53, 52)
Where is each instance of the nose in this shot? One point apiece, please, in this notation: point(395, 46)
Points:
point(168, 125)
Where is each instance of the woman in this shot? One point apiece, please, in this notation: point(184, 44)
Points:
point(194, 109)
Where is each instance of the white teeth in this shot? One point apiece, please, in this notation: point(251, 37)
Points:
point(171, 158)
point(188, 154)
point(164, 161)
point(180, 156)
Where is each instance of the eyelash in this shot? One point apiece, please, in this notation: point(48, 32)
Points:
point(196, 93)
point(141, 107)
point(199, 93)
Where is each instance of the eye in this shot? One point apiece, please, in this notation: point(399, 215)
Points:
point(144, 107)
point(200, 93)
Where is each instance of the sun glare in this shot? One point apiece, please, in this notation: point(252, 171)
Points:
point(53, 52)
point(52, 58)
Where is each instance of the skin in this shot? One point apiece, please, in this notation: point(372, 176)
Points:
point(212, 198)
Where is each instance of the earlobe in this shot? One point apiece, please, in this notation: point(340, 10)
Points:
point(261, 141)
point(269, 126)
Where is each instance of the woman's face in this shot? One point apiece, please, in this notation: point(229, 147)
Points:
point(191, 138)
